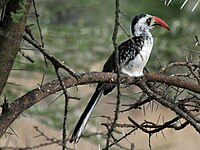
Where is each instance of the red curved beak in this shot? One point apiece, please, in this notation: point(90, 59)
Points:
point(160, 22)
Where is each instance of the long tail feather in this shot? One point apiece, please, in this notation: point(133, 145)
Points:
point(85, 116)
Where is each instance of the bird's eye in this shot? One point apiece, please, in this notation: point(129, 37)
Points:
point(148, 21)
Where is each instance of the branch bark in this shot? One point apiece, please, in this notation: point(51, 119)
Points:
point(55, 61)
point(36, 95)
point(114, 39)
point(11, 33)
point(167, 102)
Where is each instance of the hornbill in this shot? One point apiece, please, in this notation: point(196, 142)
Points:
point(133, 55)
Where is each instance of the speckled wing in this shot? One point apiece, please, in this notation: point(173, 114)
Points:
point(128, 50)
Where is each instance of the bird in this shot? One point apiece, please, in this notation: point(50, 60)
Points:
point(133, 55)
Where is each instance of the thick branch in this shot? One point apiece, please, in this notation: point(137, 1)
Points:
point(173, 81)
point(11, 37)
point(36, 95)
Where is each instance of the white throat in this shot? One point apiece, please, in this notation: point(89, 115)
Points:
point(143, 33)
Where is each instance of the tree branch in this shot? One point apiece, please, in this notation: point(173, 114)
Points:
point(11, 36)
point(167, 102)
point(50, 57)
point(36, 95)
point(114, 39)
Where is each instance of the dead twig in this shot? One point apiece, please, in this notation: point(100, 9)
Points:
point(114, 38)
point(50, 57)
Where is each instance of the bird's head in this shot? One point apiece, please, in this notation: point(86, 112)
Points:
point(141, 24)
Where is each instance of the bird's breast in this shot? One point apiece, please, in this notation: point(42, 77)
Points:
point(135, 66)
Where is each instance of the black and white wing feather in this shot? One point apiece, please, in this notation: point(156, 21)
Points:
point(128, 50)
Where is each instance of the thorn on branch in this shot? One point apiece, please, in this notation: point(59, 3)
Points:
point(75, 98)
point(197, 40)
point(14, 132)
point(132, 146)
point(156, 128)
point(25, 56)
point(29, 32)
point(137, 104)
point(49, 141)
point(5, 106)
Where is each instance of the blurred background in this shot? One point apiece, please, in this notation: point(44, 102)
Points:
point(79, 33)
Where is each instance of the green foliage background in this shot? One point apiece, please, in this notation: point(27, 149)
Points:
point(79, 32)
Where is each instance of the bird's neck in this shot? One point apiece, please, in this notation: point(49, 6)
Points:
point(144, 34)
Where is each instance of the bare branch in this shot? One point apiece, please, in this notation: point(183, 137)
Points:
point(36, 95)
point(53, 59)
point(114, 38)
point(167, 102)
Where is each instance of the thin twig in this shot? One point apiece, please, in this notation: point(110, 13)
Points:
point(25, 56)
point(40, 31)
point(123, 137)
point(114, 38)
point(50, 57)
point(137, 104)
point(65, 110)
point(28, 147)
point(38, 24)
